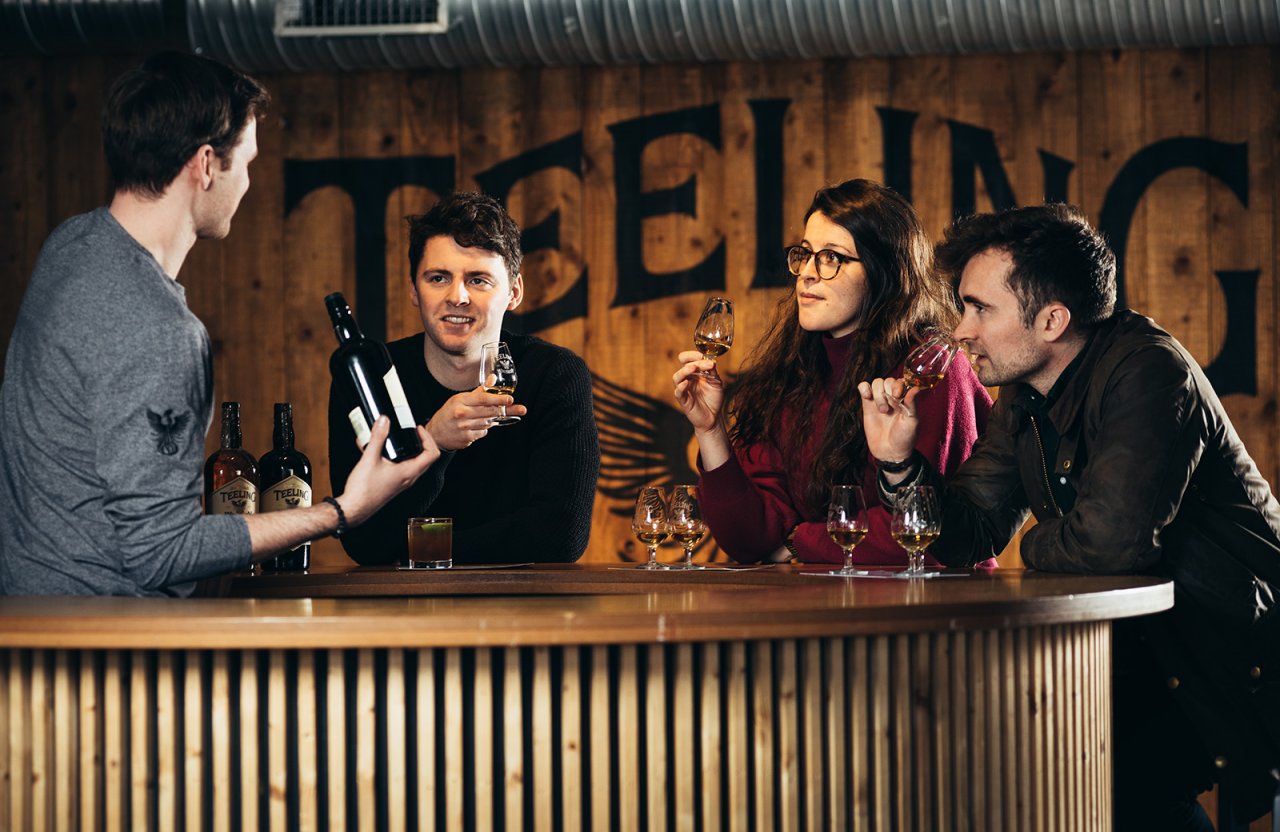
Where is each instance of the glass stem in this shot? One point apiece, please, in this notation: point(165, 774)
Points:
point(848, 559)
point(688, 558)
point(653, 555)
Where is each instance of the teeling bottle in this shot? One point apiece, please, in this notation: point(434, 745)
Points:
point(286, 476)
point(364, 365)
point(231, 474)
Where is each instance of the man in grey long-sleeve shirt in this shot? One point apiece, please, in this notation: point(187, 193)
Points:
point(108, 387)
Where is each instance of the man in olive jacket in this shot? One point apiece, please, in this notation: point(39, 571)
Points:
point(1107, 430)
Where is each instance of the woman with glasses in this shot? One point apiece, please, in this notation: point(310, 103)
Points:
point(864, 293)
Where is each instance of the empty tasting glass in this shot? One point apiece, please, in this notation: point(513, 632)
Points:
point(916, 523)
point(847, 525)
point(649, 523)
point(685, 520)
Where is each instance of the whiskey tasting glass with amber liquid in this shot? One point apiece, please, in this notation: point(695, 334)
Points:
point(649, 523)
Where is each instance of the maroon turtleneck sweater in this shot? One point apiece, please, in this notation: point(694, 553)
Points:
point(753, 500)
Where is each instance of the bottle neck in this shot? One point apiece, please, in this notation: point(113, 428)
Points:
point(345, 327)
point(231, 437)
point(282, 436)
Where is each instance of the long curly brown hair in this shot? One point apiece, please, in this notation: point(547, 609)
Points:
point(787, 368)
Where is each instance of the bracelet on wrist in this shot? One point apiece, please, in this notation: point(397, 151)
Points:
point(342, 518)
point(888, 491)
point(899, 467)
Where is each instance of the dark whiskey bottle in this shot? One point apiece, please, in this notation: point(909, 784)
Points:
point(285, 474)
point(231, 474)
point(363, 368)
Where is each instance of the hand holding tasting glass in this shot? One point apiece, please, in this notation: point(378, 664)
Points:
point(498, 375)
point(714, 333)
point(847, 525)
point(685, 521)
point(916, 523)
point(649, 523)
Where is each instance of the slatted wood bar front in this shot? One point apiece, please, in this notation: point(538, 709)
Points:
point(568, 698)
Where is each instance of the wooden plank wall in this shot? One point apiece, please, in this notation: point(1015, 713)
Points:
point(260, 291)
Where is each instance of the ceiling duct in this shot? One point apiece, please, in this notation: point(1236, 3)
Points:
point(561, 32)
point(601, 32)
point(61, 26)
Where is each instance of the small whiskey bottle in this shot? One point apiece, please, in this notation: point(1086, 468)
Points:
point(286, 476)
point(231, 474)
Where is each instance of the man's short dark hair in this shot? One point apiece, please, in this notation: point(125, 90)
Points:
point(159, 114)
point(473, 220)
point(1057, 256)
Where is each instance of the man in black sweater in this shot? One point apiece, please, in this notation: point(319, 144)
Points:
point(516, 492)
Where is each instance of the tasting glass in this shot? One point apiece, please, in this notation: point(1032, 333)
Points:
point(916, 523)
point(649, 523)
point(714, 333)
point(498, 375)
point(929, 360)
point(847, 525)
point(684, 517)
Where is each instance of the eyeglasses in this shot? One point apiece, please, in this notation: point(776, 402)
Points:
point(828, 261)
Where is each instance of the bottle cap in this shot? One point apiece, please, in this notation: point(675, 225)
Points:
point(336, 303)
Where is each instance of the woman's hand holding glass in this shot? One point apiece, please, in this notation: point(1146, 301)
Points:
point(700, 394)
point(699, 390)
point(701, 400)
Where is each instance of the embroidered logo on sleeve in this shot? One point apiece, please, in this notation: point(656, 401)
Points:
point(166, 429)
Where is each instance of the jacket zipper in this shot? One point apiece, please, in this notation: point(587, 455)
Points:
point(1044, 466)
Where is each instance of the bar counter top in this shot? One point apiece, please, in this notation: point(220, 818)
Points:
point(561, 604)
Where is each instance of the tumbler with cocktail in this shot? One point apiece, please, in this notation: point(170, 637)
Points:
point(430, 543)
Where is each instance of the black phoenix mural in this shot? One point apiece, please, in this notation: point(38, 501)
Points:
point(643, 441)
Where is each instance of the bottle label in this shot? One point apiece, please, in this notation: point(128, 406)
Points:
point(240, 496)
point(399, 401)
point(360, 425)
point(290, 492)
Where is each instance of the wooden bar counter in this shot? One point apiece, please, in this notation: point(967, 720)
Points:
point(568, 697)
